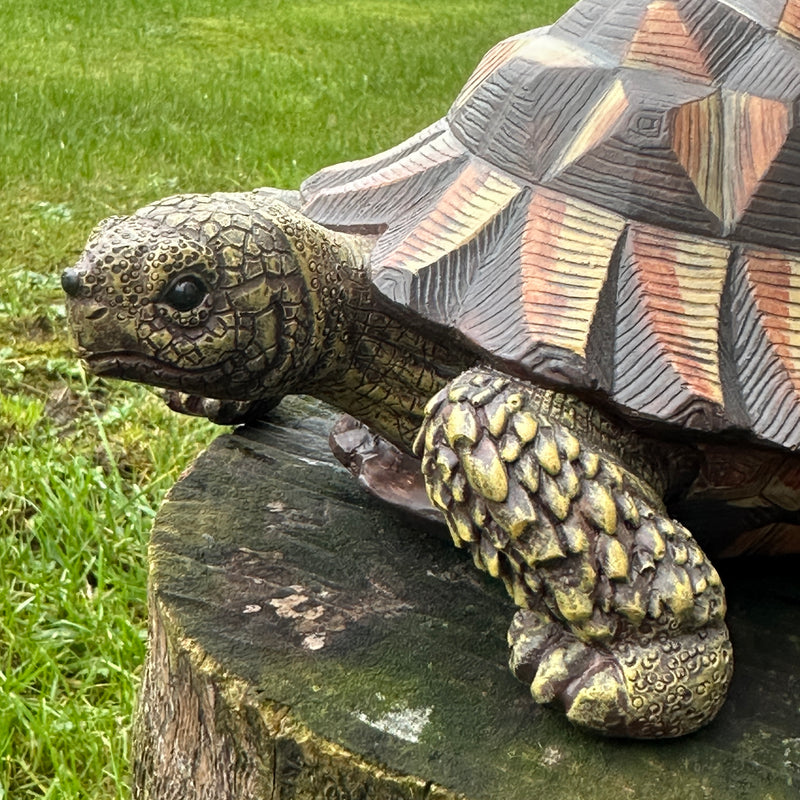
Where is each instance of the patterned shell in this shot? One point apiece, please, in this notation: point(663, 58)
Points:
point(611, 204)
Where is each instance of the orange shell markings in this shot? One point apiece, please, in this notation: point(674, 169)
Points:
point(775, 282)
point(790, 19)
point(565, 252)
point(663, 41)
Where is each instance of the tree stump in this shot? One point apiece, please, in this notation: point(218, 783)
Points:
point(307, 642)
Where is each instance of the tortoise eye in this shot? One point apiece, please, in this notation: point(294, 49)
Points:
point(186, 293)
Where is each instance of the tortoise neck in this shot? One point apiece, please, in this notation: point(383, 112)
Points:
point(378, 364)
point(389, 374)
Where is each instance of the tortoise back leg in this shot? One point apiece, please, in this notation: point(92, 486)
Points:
point(621, 615)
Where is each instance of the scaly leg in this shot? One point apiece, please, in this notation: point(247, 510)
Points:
point(621, 615)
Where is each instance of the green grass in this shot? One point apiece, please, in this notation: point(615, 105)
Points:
point(105, 106)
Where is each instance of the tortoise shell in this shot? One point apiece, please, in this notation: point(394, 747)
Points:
point(612, 204)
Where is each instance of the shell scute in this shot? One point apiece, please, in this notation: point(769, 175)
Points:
point(612, 204)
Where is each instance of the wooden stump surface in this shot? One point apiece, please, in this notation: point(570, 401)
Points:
point(307, 642)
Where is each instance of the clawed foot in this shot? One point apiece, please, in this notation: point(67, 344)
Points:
point(656, 685)
point(622, 618)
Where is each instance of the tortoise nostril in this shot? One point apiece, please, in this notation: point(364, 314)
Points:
point(97, 313)
point(71, 282)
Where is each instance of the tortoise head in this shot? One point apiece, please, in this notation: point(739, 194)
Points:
point(212, 295)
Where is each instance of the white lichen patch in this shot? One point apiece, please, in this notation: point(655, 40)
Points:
point(791, 754)
point(252, 609)
point(404, 723)
point(287, 607)
point(306, 617)
point(316, 614)
point(551, 756)
point(314, 641)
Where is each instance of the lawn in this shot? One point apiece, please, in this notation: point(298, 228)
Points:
point(108, 105)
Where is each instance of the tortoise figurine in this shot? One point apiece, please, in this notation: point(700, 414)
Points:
point(573, 303)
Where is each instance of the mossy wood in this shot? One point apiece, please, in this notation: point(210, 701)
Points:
point(307, 642)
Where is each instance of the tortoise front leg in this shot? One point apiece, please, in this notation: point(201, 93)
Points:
point(221, 412)
point(622, 615)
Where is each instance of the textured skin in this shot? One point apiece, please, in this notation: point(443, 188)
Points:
point(623, 615)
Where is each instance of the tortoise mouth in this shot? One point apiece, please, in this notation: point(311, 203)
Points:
point(146, 369)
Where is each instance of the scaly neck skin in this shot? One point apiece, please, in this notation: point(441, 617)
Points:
point(375, 366)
